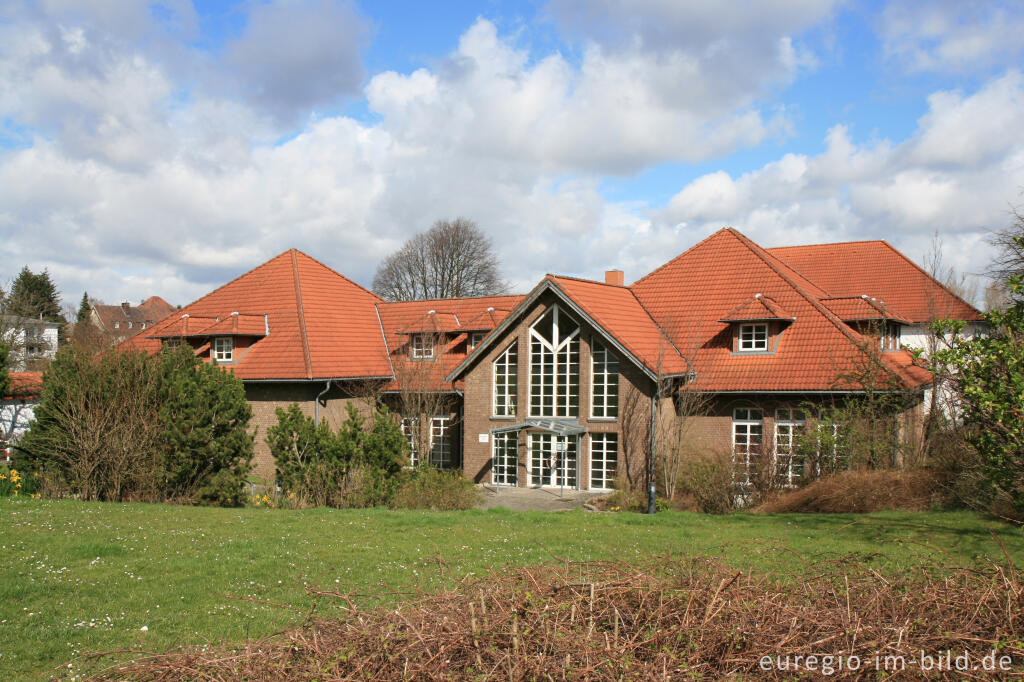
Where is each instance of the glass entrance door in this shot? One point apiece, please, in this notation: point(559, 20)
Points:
point(505, 460)
point(551, 465)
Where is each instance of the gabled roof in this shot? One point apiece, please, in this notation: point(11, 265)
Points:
point(487, 320)
point(758, 309)
point(433, 322)
point(689, 295)
point(613, 310)
point(322, 325)
point(144, 315)
point(876, 269)
point(24, 385)
point(617, 311)
point(398, 318)
point(862, 308)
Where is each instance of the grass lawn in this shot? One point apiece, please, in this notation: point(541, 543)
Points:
point(78, 577)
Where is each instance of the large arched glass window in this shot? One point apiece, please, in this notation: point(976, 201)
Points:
point(554, 365)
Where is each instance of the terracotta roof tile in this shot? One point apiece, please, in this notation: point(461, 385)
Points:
point(817, 352)
point(434, 322)
point(322, 325)
point(25, 385)
point(861, 308)
point(397, 318)
point(617, 311)
point(876, 269)
point(758, 308)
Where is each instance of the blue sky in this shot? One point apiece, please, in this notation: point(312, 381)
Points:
point(165, 148)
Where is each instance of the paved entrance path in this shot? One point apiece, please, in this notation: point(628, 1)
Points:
point(535, 499)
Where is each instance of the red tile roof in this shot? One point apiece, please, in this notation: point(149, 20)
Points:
point(860, 308)
point(876, 269)
point(433, 322)
point(322, 325)
point(616, 310)
point(25, 385)
point(817, 352)
point(142, 316)
point(759, 308)
point(397, 318)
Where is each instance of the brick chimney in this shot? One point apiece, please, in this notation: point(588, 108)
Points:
point(614, 277)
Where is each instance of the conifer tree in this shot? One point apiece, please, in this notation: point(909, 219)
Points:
point(204, 422)
point(35, 295)
point(84, 309)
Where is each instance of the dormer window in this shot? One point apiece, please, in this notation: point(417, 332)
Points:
point(753, 338)
point(422, 347)
point(475, 338)
point(224, 349)
point(889, 339)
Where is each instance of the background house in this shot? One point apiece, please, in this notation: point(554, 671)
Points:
point(17, 408)
point(119, 322)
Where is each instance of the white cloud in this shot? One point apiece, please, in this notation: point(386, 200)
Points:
point(956, 175)
point(140, 180)
point(944, 35)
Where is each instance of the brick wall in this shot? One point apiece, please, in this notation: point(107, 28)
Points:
point(265, 398)
point(478, 401)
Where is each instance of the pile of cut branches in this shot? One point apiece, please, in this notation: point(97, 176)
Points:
point(669, 619)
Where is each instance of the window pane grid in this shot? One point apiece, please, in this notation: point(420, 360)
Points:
point(603, 460)
point(605, 383)
point(547, 465)
point(409, 431)
point(554, 366)
point(747, 431)
point(440, 443)
point(505, 459)
point(223, 349)
point(506, 380)
point(753, 337)
point(789, 464)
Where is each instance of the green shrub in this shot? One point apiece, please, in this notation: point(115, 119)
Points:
point(432, 488)
point(353, 467)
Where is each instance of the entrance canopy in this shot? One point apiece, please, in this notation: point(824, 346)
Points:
point(559, 427)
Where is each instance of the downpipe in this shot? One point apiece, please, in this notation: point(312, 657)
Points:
point(316, 403)
point(650, 462)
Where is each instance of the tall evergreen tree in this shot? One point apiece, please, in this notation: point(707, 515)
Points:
point(204, 421)
point(84, 309)
point(35, 295)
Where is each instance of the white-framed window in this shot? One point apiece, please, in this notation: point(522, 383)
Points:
point(505, 459)
point(554, 365)
point(475, 338)
point(604, 458)
point(410, 425)
point(117, 325)
point(747, 437)
point(172, 343)
point(604, 383)
point(224, 349)
point(753, 337)
point(422, 347)
point(440, 442)
point(889, 339)
point(789, 427)
point(506, 382)
point(549, 465)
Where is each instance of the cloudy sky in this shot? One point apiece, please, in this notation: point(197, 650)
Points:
point(166, 147)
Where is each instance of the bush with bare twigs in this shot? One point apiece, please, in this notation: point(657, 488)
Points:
point(862, 492)
point(428, 487)
point(667, 619)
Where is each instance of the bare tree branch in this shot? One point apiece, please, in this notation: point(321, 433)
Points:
point(453, 259)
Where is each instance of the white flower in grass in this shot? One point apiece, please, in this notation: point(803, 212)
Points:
point(144, 628)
